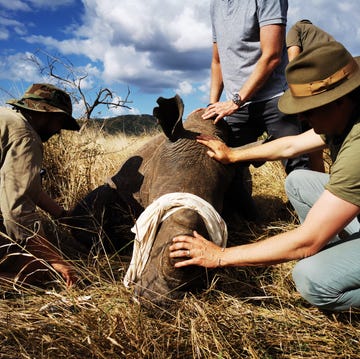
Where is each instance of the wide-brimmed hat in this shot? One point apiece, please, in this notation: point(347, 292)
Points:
point(47, 98)
point(318, 76)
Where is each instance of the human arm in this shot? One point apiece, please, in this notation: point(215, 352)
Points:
point(38, 246)
point(281, 148)
point(293, 51)
point(271, 43)
point(50, 206)
point(216, 81)
point(19, 192)
point(293, 40)
point(330, 213)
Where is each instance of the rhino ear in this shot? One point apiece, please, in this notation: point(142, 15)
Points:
point(169, 114)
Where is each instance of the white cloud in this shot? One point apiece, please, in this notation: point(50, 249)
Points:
point(48, 3)
point(152, 42)
point(153, 45)
point(4, 33)
point(29, 5)
point(339, 18)
point(15, 5)
point(18, 67)
point(185, 88)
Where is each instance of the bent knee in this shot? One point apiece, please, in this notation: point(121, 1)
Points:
point(293, 180)
point(313, 283)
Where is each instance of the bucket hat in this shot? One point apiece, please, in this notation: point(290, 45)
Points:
point(47, 98)
point(318, 76)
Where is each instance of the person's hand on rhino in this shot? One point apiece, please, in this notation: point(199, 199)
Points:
point(219, 110)
point(200, 251)
point(218, 150)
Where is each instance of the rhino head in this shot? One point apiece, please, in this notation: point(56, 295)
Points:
point(179, 169)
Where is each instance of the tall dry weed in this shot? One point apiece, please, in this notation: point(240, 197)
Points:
point(245, 313)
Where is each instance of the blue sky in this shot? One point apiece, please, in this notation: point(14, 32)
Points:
point(153, 48)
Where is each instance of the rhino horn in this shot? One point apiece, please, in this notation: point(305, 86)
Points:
point(169, 114)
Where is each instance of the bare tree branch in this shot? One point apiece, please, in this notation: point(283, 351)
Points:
point(66, 74)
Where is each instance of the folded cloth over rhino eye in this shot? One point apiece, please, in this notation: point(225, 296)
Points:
point(149, 220)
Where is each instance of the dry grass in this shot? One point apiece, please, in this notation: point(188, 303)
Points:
point(245, 313)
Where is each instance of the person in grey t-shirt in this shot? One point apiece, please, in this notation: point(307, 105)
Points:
point(248, 63)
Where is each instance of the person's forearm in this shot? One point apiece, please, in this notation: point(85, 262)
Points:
point(49, 205)
point(216, 86)
point(271, 151)
point(263, 69)
point(216, 80)
point(293, 51)
point(328, 216)
point(271, 43)
point(281, 248)
point(40, 248)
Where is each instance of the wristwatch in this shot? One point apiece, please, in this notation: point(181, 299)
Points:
point(237, 100)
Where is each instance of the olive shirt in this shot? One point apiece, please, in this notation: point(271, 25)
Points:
point(304, 35)
point(21, 156)
point(345, 172)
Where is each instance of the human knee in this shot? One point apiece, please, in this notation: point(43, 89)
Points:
point(293, 182)
point(312, 283)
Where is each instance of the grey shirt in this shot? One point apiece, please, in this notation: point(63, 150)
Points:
point(236, 30)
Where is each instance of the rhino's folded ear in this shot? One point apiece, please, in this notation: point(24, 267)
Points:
point(169, 114)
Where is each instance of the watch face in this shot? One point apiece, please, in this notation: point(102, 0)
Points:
point(236, 99)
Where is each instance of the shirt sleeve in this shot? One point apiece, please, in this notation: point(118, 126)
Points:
point(20, 185)
point(293, 37)
point(344, 178)
point(213, 31)
point(272, 12)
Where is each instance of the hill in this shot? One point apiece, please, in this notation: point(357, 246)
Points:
point(126, 124)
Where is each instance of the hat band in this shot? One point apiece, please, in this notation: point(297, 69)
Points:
point(316, 87)
point(48, 101)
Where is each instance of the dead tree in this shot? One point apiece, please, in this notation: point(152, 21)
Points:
point(71, 79)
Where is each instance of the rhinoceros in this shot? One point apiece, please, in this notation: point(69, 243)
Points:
point(174, 187)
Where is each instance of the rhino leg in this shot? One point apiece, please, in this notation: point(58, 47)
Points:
point(102, 219)
point(161, 282)
point(239, 204)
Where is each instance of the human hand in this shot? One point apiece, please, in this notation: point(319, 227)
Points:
point(219, 110)
point(67, 271)
point(218, 149)
point(200, 251)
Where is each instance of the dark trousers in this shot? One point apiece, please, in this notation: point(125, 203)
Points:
point(251, 121)
point(247, 125)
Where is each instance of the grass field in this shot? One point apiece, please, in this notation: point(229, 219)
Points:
point(245, 313)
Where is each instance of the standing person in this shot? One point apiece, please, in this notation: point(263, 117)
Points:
point(248, 62)
point(324, 88)
point(301, 36)
point(24, 251)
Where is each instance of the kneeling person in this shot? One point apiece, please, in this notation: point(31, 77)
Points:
point(25, 253)
point(324, 89)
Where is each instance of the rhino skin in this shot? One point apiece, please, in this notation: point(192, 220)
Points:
point(172, 161)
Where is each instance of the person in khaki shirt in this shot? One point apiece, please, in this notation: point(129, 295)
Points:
point(302, 35)
point(43, 111)
point(324, 89)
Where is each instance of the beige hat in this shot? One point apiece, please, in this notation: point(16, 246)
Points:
point(47, 98)
point(318, 76)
